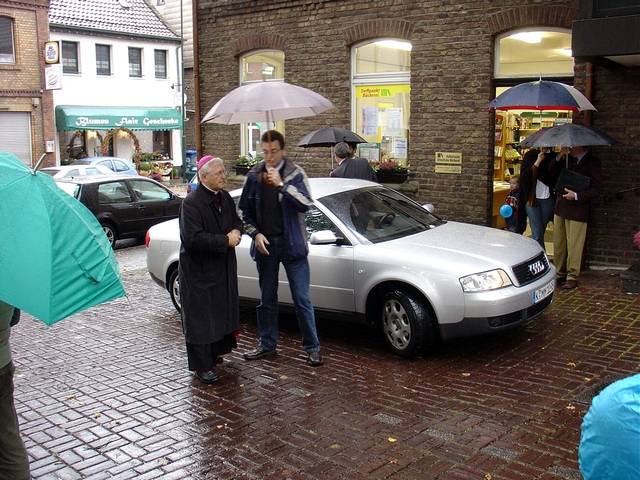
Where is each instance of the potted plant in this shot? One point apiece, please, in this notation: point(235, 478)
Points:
point(145, 168)
point(244, 163)
point(391, 171)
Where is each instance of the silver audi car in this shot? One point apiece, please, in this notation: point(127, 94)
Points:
point(380, 258)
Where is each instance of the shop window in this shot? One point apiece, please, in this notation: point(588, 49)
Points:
point(162, 142)
point(135, 62)
point(70, 57)
point(160, 58)
point(103, 59)
point(7, 45)
point(534, 53)
point(381, 82)
point(257, 66)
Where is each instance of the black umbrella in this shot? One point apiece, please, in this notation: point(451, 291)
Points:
point(328, 137)
point(569, 135)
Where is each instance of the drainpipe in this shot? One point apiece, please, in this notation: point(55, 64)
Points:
point(196, 79)
point(588, 91)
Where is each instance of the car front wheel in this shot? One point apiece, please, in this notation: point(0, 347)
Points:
point(174, 288)
point(110, 232)
point(406, 323)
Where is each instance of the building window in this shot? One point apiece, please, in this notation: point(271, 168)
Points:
point(161, 63)
point(70, 57)
point(162, 142)
point(380, 108)
point(103, 59)
point(534, 53)
point(135, 62)
point(7, 48)
point(259, 66)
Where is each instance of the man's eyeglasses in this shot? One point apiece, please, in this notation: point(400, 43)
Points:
point(270, 153)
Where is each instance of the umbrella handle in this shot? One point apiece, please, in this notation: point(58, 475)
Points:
point(34, 169)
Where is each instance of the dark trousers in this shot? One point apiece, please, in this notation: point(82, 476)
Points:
point(14, 463)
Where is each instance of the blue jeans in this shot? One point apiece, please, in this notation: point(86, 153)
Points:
point(539, 216)
point(298, 276)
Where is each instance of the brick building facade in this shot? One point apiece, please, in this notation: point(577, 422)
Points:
point(452, 65)
point(22, 94)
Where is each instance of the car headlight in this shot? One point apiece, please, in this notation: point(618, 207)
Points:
point(480, 282)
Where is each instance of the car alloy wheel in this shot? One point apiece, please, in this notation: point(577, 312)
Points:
point(110, 233)
point(406, 323)
point(174, 289)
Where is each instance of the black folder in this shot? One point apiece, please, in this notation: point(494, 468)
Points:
point(572, 180)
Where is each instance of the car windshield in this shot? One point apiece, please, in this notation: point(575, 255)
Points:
point(50, 171)
point(70, 188)
point(379, 214)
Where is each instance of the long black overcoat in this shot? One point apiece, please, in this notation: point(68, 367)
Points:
point(208, 269)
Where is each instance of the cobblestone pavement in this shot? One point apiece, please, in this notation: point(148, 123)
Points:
point(106, 395)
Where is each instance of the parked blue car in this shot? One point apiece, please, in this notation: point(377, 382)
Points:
point(117, 165)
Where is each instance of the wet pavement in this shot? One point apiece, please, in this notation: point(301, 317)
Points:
point(105, 394)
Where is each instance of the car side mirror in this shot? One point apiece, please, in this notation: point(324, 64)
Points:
point(429, 207)
point(323, 237)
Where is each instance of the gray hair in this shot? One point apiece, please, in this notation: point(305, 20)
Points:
point(206, 168)
point(342, 150)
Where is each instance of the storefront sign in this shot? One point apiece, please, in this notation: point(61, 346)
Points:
point(381, 91)
point(51, 52)
point(448, 169)
point(106, 118)
point(53, 77)
point(449, 158)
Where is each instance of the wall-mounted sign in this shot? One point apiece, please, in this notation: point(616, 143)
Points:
point(51, 52)
point(449, 158)
point(448, 169)
point(53, 77)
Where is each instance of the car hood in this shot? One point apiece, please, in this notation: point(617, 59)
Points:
point(473, 248)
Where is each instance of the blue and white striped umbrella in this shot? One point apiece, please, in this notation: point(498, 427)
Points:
point(542, 95)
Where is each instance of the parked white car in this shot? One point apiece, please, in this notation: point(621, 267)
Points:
point(380, 257)
point(69, 171)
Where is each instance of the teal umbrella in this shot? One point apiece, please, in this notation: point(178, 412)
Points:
point(55, 260)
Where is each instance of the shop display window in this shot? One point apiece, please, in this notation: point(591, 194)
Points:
point(258, 66)
point(381, 100)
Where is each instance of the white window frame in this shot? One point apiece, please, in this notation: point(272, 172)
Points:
point(496, 51)
point(141, 50)
point(95, 52)
point(244, 148)
point(389, 78)
point(166, 64)
point(77, 57)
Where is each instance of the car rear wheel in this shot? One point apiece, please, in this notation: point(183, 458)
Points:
point(407, 325)
point(110, 232)
point(174, 288)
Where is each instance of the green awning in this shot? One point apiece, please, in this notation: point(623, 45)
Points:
point(106, 118)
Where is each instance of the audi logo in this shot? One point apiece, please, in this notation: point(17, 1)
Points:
point(536, 268)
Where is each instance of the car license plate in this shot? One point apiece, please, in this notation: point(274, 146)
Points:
point(542, 292)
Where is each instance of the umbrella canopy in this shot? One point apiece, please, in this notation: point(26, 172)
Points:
point(55, 260)
point(568, 135)
point(542, 95)
point(328, 137)
point(266, 102)
point(531, 139)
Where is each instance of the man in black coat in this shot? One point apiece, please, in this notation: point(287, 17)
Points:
point(350, 166)
point(209, 231)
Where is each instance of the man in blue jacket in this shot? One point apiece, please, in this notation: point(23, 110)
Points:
point(274, 199)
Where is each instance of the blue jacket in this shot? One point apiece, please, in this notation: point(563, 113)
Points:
point(295, 200)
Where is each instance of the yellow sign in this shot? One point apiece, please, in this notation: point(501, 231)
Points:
point(381, 91)
point(448, 169)
point(449, 158)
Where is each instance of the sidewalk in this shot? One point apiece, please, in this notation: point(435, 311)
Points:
point(106, 395)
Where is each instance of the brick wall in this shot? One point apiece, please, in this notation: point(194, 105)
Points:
point(451, 77)
point(21, 83)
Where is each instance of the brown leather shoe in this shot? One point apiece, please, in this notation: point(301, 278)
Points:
point(569, 284)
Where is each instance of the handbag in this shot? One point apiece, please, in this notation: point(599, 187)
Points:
point(572, 180)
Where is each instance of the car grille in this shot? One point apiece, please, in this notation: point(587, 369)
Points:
point(531, 270)
point(527, 313)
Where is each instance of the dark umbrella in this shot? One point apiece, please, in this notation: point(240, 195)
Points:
point(542, 95)
point(328, 137)
point(570, 135)
point(531, 139)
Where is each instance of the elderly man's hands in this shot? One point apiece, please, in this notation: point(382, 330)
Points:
point(234, 237)
point(261, 244)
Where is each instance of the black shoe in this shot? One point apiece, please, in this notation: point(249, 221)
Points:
point(314, 359)
point(570, 284)
point(259, 352)
point(207, 376)
point(560, 280)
